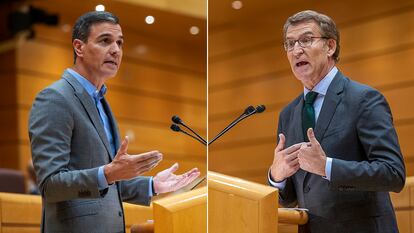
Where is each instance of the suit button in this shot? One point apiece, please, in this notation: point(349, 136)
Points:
point(306, 189)
point(120, 213)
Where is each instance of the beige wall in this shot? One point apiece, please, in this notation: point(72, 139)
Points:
point(248, 66)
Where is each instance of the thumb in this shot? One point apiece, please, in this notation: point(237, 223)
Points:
point(124, 146)
point(312, 138)
point(281, 143)
point(173, 168)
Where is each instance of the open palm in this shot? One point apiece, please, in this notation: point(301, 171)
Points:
point(166, 181)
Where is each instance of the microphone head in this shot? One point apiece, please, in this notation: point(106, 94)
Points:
point(175, 128)
point(176, 119)
point(260, 108)
point(249, 110)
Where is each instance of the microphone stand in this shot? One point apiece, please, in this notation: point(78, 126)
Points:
point(258, 109)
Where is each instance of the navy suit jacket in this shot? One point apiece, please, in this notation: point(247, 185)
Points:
point(355, 128)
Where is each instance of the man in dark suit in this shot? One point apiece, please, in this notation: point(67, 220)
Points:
point(338, 154)
point(83, 170)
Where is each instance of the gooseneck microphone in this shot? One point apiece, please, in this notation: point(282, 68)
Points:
point(177, 128)
point(247, 112)
point(177, 120)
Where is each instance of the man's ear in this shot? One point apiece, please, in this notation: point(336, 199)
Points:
point(331, 45)
point(78, 46)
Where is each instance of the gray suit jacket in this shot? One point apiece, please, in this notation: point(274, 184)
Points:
point(355, 128)
point(69, 144)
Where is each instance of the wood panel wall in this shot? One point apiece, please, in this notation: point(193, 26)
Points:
point(168, 79)
point(248, 66)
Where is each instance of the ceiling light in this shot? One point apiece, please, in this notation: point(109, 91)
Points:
point(194, 30)
point(237, 5)
point(149, 19)
point(100, 7)
point(66, 28)
point(141, 49)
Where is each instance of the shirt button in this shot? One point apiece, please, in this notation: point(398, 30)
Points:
point(306, 189)
point(120, 213)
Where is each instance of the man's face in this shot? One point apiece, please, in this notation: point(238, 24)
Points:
point(102, 53)
point(312, 63)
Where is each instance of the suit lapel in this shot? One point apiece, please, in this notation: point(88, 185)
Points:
point(331, 101)
point(89, 107)
point(114, 125)
point(297, 118)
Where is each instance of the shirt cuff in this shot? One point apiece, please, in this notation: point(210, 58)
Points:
point(280, 185)
point(328, 169)
point(150, 187)
point(102, 182)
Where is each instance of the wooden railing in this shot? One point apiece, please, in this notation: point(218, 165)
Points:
point(22, 213)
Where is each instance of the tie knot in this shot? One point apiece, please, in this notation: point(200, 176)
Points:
point(310, 97)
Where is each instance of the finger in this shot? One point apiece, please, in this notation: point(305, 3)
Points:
point(292, 157)
point(188, 173)
point(192, 177)
point(293, 148)
point(281, 143)
point(173, 168)
point(147, 156)
point(185, 181)
point(124, 146)
point(148, 162)
point(312, 138)
point(294, 162)
point(146, 167)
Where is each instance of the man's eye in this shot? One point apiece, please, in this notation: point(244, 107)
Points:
point(305, 40)
point(290, 43)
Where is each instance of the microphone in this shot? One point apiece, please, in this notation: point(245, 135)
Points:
point(247, 112)
point(176, 119)
point(260, 108)
point(177, 128)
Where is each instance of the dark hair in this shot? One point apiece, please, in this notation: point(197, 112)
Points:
point(83, 24)
point(326, 24)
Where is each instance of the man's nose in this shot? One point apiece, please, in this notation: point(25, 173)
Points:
point(297, 49)
point(115, 49)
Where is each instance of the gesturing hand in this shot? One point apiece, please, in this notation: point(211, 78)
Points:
point(167, 181)
point(285, 161)
point(311, 156)
point(125, 166)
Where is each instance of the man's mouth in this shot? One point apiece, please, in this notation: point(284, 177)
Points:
point(301, 63)
point(112, 62)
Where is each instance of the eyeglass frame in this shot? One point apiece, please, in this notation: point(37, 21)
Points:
point(301, 44)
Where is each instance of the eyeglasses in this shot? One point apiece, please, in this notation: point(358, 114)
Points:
point(304, 42)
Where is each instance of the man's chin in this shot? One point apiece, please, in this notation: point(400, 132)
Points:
point(110, 74)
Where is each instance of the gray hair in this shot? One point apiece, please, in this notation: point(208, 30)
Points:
point(326, 24)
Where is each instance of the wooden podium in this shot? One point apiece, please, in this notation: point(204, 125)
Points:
point(182, 213)
point(236, 205)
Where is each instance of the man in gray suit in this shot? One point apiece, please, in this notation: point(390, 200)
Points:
point(338, 154)
point(83, 170)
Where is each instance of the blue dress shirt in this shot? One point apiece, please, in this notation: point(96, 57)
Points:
point(321, 88)
point(97, 96)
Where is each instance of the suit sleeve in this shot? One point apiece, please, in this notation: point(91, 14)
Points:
point(136, 190)
point(383, 169)
point(50, 131)
point(287, 196)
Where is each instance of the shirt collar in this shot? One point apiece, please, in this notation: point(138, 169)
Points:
point(322, 87)
point(89, 87)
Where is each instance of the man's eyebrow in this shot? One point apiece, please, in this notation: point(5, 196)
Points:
point(109, 35)
point(303, 34)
